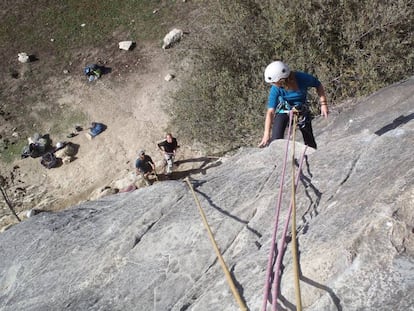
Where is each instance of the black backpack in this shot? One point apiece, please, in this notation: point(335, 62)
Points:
point(49, 160)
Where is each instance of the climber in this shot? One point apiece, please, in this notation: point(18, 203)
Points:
point(169, 146)
point(289, 90)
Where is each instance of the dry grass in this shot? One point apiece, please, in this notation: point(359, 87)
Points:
point(65, 36)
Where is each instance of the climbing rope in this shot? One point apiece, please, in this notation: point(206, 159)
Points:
point(276, 266)
point(282, 244)
point(294, 241)
point(216, 249)
point(269, 269)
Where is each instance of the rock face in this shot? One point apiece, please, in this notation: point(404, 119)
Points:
point(148, 249)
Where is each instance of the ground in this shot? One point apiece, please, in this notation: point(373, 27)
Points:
point(129, 100)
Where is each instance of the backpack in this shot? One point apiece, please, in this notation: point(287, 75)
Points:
point(49, 160)
point(36, 150)
point(97, 128)
point(89, 69)
point(92, 71)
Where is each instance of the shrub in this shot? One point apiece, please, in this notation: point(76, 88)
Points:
point(220, 104)
point(353, 47)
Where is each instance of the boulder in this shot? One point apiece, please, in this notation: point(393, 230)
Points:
point(23, 57)
point(172, 38)
point(125, 45)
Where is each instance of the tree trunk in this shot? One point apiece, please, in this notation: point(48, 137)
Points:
point(3, 192)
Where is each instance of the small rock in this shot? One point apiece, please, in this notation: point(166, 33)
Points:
point(65, 71)
point(169, 77)
point(125, 45)
point(172, 37)
point(33, 212)
point(23, 57)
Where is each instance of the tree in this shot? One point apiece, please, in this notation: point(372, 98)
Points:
point(3, 184)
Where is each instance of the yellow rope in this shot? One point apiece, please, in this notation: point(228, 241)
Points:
point(221, 260)
point(294, 241)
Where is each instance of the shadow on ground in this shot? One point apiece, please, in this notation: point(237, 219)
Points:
point(205, 164)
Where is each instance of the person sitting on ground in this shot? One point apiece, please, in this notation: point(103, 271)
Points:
point(144, 166)
point(169, 146)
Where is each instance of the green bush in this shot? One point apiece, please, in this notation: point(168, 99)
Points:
point(353, 47)
point(221, 103)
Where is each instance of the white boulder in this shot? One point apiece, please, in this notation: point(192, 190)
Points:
point(125, 45)
point(168, 77)
point(23, 57)
point(172, 37)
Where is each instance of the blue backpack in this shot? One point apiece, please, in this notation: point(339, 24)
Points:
point(92, 71)
point(97, 128)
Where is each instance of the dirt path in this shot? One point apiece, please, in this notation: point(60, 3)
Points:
point(130, 104)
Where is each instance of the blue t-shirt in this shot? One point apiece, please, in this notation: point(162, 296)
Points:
point(303, 80)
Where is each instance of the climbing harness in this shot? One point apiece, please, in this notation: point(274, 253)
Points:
point(274, 267)
point(216, 249)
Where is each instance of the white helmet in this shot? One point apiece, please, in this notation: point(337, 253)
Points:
point(275, 71)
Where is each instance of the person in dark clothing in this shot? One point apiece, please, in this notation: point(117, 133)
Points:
point(169, 146)
point(144, 166)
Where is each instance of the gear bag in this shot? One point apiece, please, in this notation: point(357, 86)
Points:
point(49, 160)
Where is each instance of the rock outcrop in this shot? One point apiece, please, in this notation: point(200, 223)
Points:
point(148, 249)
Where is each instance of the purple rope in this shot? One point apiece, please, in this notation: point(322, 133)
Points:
point(276, 222)
point(283, 238)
